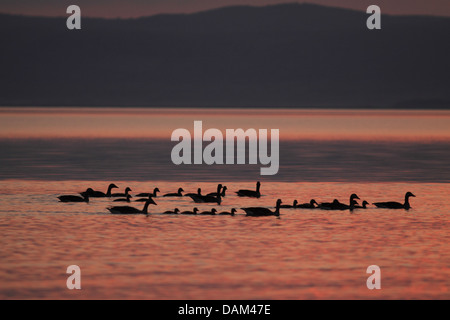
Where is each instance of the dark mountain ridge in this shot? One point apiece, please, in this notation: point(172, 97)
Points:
point(292, 55)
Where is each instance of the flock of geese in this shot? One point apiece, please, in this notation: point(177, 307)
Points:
point(216, 197)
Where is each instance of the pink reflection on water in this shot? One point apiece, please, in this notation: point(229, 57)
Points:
point(159, 123)
point(302, 255)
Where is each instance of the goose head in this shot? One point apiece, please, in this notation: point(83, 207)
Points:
point(112, 186)
point(313, 201)
point(128, 189)
point(353, 196)
point(213, 210)
point(151, 201)
point(180, 190)
point(295, 203)
point(365, 203)
point(195, 210)
point(409, 194)
point(156, 190)
point(176, 210)
point(233, 211)
point(199, 191)
point(279, 202)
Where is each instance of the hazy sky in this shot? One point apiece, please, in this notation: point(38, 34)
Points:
point(138, 8)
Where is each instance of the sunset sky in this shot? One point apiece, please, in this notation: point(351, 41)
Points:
point(138, 8)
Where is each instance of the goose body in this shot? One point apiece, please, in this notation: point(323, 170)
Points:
point(336, 205)
point(177, 194)
point(154, 194)
point(211, 213)
point(226, 213)
point(363, 206)
point(131, 210)
point(122, 195)
point(250, 193)
point(195, 211)
point(309, 205)
point(175, 211)
point(199, 193)
point(219, 192)
point(70, 198)
point(127, 199)
point(98, 194)
point(206, 199)
point(288, 206)
point(396, 205)
point(263, 212)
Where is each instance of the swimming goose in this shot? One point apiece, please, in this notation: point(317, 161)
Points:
point(153, 195)
point(226, 213)
point(127, 199)
point(396, 205)
point(131, 210)
point(288, 206)
point(222, 193)
point(98, 194)
point(122, 195)
point(364, 205)
point(309, 205)
point(336, 205)
point(144, 199)
point(199, 193)
point(83, 198)
point(263, 212)
point(178, 194)
point(250, 193)
point(190, 212)
point(175, 211)
point(207, 199)
point(211, 213)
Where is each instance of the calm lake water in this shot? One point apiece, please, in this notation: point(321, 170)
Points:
point(303, 254)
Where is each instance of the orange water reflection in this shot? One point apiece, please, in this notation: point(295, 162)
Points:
point(159, 123)
point(302, 255)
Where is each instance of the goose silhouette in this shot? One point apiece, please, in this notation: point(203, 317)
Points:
point(175, 211)
point(206, 199)
point(222, 193)
point(69, 198)
point(250, 193)
point(396, 205)
point(153, 195)
point(122, 195)
point(363, 206)
point(308, 205)
point(195, 211)
point(127, 199)
point(177, 194)
point(288, 206)
point(211, 213)
point(336, 205)
point(226, 213)
point(263, 212)
point(98, 194)
point(131, 210)
point(199, 193)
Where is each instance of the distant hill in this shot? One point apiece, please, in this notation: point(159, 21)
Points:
point(292, 55)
